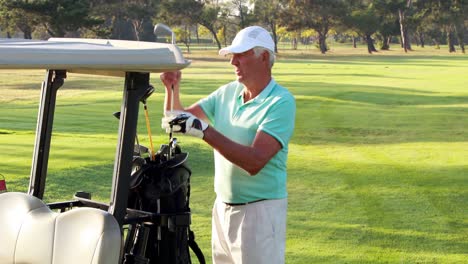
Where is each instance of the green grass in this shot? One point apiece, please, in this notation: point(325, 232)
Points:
point(378, 165)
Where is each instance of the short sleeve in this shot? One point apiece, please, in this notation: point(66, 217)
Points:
point(280, 119)
point(208, 105)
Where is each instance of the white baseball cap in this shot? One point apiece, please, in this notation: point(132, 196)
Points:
point(248, 38)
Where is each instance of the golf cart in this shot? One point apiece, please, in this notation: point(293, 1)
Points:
point(133, 227)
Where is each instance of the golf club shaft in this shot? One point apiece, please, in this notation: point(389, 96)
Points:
point(148, 127)
point(172, 98)
point(172, 108)
point(170, 128)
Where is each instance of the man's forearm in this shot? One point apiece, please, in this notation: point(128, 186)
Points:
point(172, 99)
point(248, 158)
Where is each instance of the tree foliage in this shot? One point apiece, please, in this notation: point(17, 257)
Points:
point(376, 21)
point(269, 13)
point(58, 16)
point(365, 21)
point(319, 15)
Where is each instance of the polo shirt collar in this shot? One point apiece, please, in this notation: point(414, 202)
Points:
point(261, 96)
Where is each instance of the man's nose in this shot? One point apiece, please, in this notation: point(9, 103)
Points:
point(234, 60)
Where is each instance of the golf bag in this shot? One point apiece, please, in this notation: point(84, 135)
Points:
point(161, 186)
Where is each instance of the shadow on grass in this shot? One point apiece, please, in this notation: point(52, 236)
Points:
point(372, 115)
point(372, 94)
point(419, 60)
point(407, 209)
point(337, 75)
point(388, 240)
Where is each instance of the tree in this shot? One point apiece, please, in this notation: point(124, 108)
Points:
point(319, 15)
point(405, 7)
point(58, 16)
point(181, 12)
point(459, 11)
point(192, 12)
point(365, 21)
point(183, 35)
point(268, 12)
point(12, 19)
point(141, 13)
point(445, 18)
point(209, 18)
point(241, 12)
point(284, 34)
point(387, 11)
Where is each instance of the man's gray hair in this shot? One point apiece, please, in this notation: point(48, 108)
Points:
point(259, 50)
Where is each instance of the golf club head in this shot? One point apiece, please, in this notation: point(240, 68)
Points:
point(162, 29)
point(116, 115)
point(140, 150)
point(147, 94)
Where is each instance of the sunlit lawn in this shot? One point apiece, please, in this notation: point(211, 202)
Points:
point(378, 165)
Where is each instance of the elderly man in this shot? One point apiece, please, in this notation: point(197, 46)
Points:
point(249, 123)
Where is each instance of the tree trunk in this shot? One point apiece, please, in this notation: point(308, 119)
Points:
point(275, 36)
point(405, 42)
point(26, 29)
point(241, 15)
point(323, 43)
point(370, 44)
point(421, 39)
point(122, 29)
point(27, 34)
point(385, 43)
point(137, 25)
point(115, 27)
point(50, 32)
point(408, 41)
point(146, 32)
point(460, 32)
point(294, 43)
point(354, 42)
point(451, 41)
point(401, 15)
point(224, 36)
point(213, 32)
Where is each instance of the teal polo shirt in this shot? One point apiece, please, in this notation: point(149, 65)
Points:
point(273, 112)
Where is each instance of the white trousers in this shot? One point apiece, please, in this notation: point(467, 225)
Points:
point(249, 234)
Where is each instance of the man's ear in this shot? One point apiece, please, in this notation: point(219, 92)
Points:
point(266, 57)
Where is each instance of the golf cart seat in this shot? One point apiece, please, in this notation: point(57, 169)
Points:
point(32, 233)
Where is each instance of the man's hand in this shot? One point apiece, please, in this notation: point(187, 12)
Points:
point(185, 123)
point(170, 79)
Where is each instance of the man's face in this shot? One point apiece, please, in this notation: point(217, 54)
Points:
point(247, 66)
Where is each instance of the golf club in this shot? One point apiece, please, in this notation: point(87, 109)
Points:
point(148, 93)
point(161, 29)
point(170, 125)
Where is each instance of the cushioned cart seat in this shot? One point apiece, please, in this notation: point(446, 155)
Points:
point(30, 233)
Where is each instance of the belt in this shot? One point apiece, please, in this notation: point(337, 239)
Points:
point(238, 204)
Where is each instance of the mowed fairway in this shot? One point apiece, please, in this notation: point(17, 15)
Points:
point(378, 165)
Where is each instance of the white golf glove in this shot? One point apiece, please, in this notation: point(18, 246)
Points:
point(184, 123)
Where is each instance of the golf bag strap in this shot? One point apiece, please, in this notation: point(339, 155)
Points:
point(195, 248)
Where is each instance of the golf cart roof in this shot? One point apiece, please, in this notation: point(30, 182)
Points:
point(91, 56)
